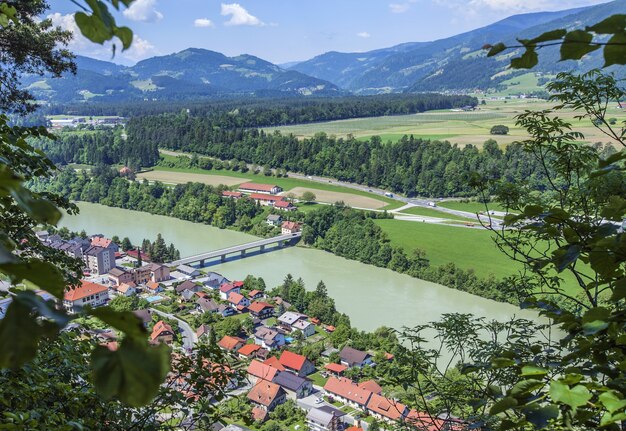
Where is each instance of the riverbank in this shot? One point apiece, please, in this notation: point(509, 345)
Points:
point(371, 296)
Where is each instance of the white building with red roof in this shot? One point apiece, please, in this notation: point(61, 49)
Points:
point(237, 300)
point(260, 188)
point(297, 364)
point(290, 227)
point(227, 288)
point(87, 294)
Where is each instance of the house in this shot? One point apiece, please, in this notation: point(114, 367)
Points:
point(267, 395)
point(295, 386)
point(290, 227)
point(203, 331)
point(269, 338)
point(101, 241)
point(227, 288)
point(230, 344)
point(324, 418)
point(188, 270)
point(347, 392)
point(225, 310)
point(307, 328)
point(335, 369)
point(232, 195)
point(273, 361)
point(187, 285)
point(118, 276)
point(265, 200)
point(260, 188)
point(274, 220)
point(162, 333)
point(259, 371)
point(214, 280)
point(248, 351)
point(87, 294)
point(187, 295)
point(297, 364)
point(144, 315)
point(237, 300)
point(207, 305)
point(127, 289)
point(386, 409)
point(255, 294)
point(154, 287)
point(285, 206)
point(289, 318)
point(99, 260)
point(155, 273)
point(371, 386)
point(354, 358)
point(261, 310)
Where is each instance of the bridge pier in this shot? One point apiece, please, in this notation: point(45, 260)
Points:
point(243, 253)
point(202, 263)
point(223, 258)
point(262, 248)
point(281, 244)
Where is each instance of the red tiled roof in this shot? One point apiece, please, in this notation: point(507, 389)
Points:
point(335, 368)
point(262, 197)
point(261, 370)
point(159, 328)
point(229, 343)
point(389, 356)
point(264, 393)
point(273, 361)
point(258, 307)
point(254, 293)
point(371, 386)
point(290, 225)
point(259, 414)
point(152, 285)
point(283, 204)
point(227, 287)
point(235, 298)
point(98, 241)
point(385, 407)
point(346, 388)
point(232, 194)
point(292, 360)
point(86, 288)
point(248, 349)
point(238, 284)
point(354, 429)
point(255, 186)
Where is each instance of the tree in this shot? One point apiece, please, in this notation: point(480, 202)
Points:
point(126, 244)
point(158, 251)
point(308, 196)
point(499, 130)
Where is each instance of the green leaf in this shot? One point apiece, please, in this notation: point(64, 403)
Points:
point(549, 35)
point(503, 405)
point(124, 321)
point(133, 373)
point(528, 60)
point(39, 209)
point(496, 49)
point(93, 28)
point(595, 320)
point(576, 45)
point(564, 257)
point(614, 52)
point(573, 397)
point(19, 336)
point(612, 401)
point(540, 417)
point(43, 274)
point(525, 386)
point(619, 290)
point(124, 34)
point(611, 25)
point(533, 371)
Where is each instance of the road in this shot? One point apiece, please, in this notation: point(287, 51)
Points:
point(189, 335)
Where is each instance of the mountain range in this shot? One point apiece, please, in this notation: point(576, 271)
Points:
point(455, 64)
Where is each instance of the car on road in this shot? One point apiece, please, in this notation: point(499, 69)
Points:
point(319, 401)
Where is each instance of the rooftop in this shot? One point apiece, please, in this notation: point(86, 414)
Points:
point(86, 289)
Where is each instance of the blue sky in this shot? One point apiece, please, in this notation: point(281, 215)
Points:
point(290, 30)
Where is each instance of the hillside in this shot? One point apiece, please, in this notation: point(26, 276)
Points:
point(456, 63)
point(192, 73)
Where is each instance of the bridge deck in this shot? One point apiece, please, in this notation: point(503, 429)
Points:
point(235, 249)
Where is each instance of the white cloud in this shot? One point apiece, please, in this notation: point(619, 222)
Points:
point(139, 50)
point(364, 35)
point(399, 7)
point(143, 10)
point(203, 22)
point(239, 15)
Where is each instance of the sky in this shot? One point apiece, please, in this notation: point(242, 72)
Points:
point(282, 31)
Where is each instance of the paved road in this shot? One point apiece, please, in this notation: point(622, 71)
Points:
point(236, 249)
point(189, 335)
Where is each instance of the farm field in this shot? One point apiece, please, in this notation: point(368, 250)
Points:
point(457, 127)
point(350, 199)
point(473, 207)
point(186, 177)
point(430, 212)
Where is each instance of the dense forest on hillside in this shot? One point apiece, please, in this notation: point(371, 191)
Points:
point(251, 112)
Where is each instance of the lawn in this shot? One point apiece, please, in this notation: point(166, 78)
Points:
point(473, 207)
point(318, 379)
point(467, 248)
point(431, 212)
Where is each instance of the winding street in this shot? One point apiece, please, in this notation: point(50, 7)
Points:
point(189, 335)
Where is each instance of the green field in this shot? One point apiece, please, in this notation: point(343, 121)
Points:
point(466, 248)
point(473, 207)
point(430, 212)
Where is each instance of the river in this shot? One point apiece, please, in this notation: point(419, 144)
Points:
point(371, 296)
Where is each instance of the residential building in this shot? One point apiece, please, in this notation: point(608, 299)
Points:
point(144, 315)
point(207, 305)
point(162, 333)
point(289, 318)
point(154, 287)
point(255, 294)
point(260, 188)
point(225, 310)
point(324, 418)
point(127, 289)
point(118, 276)
point(295, 386)
point(290, 227)
point(386, 409)
point(259, 371)
point(101, 241)
point(248, 351)
point(335, 369)
point(237, 300)
point(265, 200)
point(227, 288)
point(214, 280)
point(187, 285)
point(233, 195)
point(269, 338)
point(267, 395)
point(99, 260)
point(354, 358)
point(297, 364)
point(274, 220)
point(156, 273)
point(285, 206)
point(371, 386)
point(273, 361)
point(346, 391)
point(87, 294)
point(231, 344)
point(307, 328)
point(203, 331)
point(188, 270)
point(261, 310)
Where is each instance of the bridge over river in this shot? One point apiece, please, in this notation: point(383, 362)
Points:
point(201, 259)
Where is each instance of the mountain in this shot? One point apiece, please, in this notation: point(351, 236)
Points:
point(456, 63)
point(192, 73)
